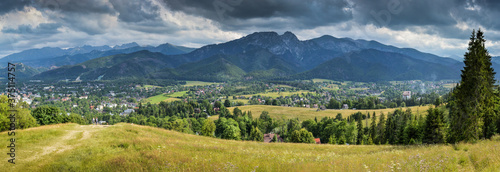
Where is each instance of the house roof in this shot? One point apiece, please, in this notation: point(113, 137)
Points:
point(318, 141)
point(406, 93)
point(269, 137)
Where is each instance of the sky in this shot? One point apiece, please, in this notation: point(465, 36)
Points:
point(441, 27)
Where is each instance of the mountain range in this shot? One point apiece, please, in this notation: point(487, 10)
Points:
point(260, 55)
point(49, 57)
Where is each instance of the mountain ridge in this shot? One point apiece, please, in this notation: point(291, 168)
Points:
point(54, 56)
point(251, 56)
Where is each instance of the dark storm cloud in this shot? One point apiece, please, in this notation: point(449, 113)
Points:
point(235, 14)
point(438, 17)
point(10, 5)
point(486, 15)
point(136, 11)
point(76, 6)
point(397, 13)
point(92, 16)
point(127, 10)
point(41, 29)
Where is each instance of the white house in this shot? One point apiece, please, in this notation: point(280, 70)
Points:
point(406, 95)
point(345, 106)
point(127, 112)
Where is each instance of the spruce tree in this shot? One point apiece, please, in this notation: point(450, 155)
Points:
point(472, 106)
point(360, 131)
point(434, 131)
point(381, 130)
point(373, 128)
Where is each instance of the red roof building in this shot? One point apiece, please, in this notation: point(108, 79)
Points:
point(317, 140)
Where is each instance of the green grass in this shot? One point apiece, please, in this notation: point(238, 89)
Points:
point(165, 97)
point(245, 101)
point(148, 87)
point(284, 86)
point(126, 147)
point(302, 113)
point(278, 94)
point(198, 83)
point(316, 80)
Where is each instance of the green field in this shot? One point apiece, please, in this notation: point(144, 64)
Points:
point(278, 94)
point(128, 147)
point(236, 100)
point(165, 97)
point(284, 86)
point(333, 87)
point(148, 86)
point(302, 114)
point(316, 80)
point(198, 83)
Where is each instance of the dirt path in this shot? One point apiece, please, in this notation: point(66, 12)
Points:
point(61, 143)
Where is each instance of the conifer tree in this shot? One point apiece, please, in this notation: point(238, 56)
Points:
point(359, 140)
point(373, 128)
point(381, 130)
point(434, 131)
point(472, 109)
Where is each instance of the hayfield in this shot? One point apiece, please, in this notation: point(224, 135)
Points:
point(279, 94)
point(302, 113)
point(127, 147)
point(198, 83)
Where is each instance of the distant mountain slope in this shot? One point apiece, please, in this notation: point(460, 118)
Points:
point(49, 57)
point(49, 52)
point(166, 49)
point(349, 45)
point(22, 72)
point(263, 55)
point(375, 65)
point(305, 54)
point(136, 64)
point(258, 63)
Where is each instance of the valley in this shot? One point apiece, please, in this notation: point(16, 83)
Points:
point(241, 85)
point(328, 103)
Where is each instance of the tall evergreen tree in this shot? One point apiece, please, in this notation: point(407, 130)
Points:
point(361, 133)
point(381, 130)
point(472, 109)
point(373, 128)
point(434, 131)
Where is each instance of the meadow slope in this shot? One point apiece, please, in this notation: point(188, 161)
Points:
point(280, 112)
point(128, 147)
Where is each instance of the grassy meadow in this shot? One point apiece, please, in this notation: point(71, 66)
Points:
point(148, 87)
point(279, 94)
point(279, 112)
point(165, 97)
point(198, 83)
point(128, 147)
